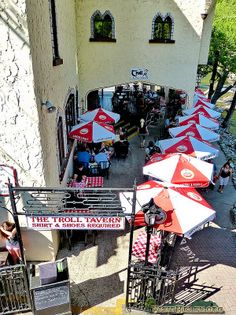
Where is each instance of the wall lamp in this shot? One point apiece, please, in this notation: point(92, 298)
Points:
point(50, 107)
point(204, 16)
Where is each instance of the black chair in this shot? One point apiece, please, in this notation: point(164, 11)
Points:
point(85, 164)
point(122, 151)
point(104, 168)
point(94, 170)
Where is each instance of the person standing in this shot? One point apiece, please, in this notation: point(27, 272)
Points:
point(224, 176)
point(143, 132)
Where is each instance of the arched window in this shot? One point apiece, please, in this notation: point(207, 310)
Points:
point(162, 29)
point(102, 27)
point(166, 28)
point(158, 28)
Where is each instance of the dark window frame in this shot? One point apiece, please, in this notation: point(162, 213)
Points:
point(61, 146)
point(57, 60)
point(161, 22)
point(105, 19)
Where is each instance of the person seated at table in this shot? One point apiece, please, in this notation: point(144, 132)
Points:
point(178, 115)
point(83, 156)
point(100, 157)
point(80, 173)
point(169, 122)
point(150, 150)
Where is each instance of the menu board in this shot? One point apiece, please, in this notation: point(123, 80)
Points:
point(51, 295)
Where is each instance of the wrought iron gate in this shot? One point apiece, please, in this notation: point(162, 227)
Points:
point(149, 282)
point(14, 290)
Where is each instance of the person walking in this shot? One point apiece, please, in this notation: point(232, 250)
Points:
point(224, 175)
point(143, 132)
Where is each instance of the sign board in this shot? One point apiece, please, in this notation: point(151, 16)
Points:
point(6, 172)
point(52, 295)
point(75, 223)
point(139, 74)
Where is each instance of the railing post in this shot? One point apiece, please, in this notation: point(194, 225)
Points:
point(131, 242)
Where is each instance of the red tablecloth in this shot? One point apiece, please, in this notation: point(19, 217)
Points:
point(96, 181)
point(139, 247)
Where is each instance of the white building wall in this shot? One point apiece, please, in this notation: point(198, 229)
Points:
point(106, 64)
point(52, 83)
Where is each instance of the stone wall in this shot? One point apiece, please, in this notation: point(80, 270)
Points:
point(20, 144)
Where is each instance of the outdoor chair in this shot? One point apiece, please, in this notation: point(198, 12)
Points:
point(104, 168)
point(94, 170)
point(122, 151)
point(85, 164)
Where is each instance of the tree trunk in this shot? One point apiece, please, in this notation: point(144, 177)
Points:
point(219, 87)
point(230, 112)
point(213, 75)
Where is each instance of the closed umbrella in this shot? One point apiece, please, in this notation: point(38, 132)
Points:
point(210, 123)
point(196, 131)
point(101, 115)
point(203, 110)
point(92, 132)
point(180, 169)
point(188, 145)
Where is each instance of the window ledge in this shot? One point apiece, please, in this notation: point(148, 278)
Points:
point(161, 41)
point(111, 40)
point(57, 61)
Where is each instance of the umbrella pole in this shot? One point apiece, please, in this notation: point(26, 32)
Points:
point(149, 232)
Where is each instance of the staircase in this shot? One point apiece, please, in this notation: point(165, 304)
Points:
point(131, 128)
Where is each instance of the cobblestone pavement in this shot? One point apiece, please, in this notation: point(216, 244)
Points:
point(98, 273)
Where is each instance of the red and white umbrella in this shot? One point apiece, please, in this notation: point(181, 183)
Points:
point(186, 211)
point(92, 132)
point(101, 115)
point(199, 91)
point(196, 131)
point(180, 169)
point(185, 208)
point(198, 100)
point(209, 123)
point(188, 145)
point(203, 110)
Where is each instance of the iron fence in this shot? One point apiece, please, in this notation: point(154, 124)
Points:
point(14, 290)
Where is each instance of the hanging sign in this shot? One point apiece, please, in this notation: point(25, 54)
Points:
point(139, 74)
point(6, 173)
point(75, 223)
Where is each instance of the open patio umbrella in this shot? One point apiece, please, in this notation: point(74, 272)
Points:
point(199, 91)
point(179, 169)
point(186, 210)
point(188, 145)
point(92, 132)
point(101, 115)
point(204, 110)
point(198, 100)
point(196, 131)
point(209, 123)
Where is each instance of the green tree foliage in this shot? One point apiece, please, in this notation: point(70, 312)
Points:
point(223, 45)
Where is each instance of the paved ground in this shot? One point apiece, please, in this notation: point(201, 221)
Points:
point(98, 273)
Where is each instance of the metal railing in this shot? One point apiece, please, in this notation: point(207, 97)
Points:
point(149, 282)
point(14, 290)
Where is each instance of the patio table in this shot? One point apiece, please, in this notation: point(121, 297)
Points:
point(139, 247)
point(90, 182)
